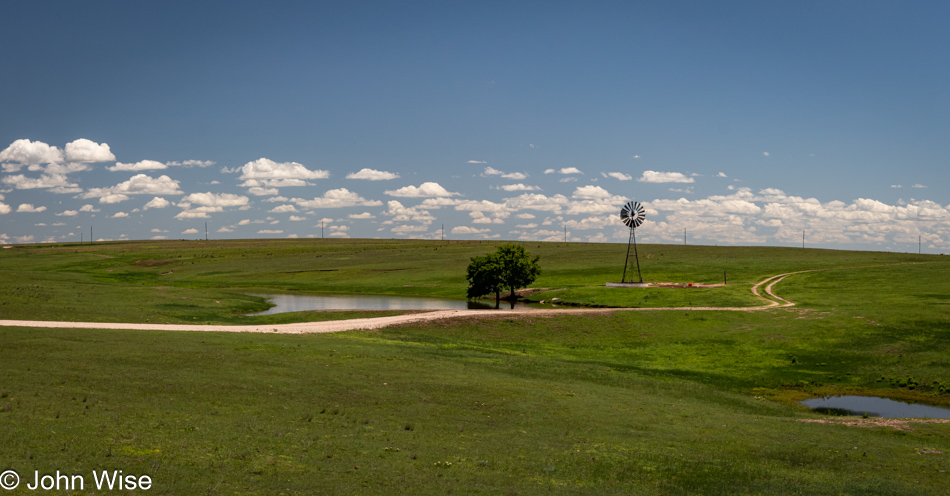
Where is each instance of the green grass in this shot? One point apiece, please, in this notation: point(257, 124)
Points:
point(627, 402)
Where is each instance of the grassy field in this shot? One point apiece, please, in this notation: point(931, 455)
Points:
point(660, 402)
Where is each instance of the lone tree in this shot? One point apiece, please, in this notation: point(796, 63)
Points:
point(510, 267)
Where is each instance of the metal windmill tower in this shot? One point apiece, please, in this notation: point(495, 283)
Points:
point(632, 215)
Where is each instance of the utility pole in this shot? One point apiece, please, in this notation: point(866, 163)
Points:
point(80, 237)
point(90, 234)
point(442, 238)
point(803, 239)
point(321, 229)
point(684, 237)
point(206, 231)
point(565, 233)
point(918, 245)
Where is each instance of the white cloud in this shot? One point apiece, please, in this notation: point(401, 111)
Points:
point(83, 150)
point(190, 231)
point(591, 192)
point(190, 163)
point(68, 213)
point(270, 231)
point(424, 190)
point(895, 185)
point(280, 209)
point(264, 172)
point(468, 230)
point(139, 184)
point(570, 170)
point(336, 198)
point(490, 171)
point(28, 207)
point(138, 166)
point(620, 176)
point(721, 174)
point(525, 216)
point(515, 176)
point(549, 171)
point(477, 162)
point(765, 153)
point(372, 175)
point(918, 186)
point(119, 215)
point(225, 230)
point(297, 218)
point(159, 237)
point(58, 183)
point(28, 152)
point(568, 180)
point(364, 215)
point(664, 177)
point(157, 202)
point(518, 187)
point(400, 213)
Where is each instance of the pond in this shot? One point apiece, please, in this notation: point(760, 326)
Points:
point(874, 407)
point(300, 303)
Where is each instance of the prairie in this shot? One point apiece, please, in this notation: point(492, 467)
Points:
point(660, 402)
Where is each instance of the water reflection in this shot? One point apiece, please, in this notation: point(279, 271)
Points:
point(873, 406)
point(300, 303)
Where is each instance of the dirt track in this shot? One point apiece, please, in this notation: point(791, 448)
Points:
point(379, 322)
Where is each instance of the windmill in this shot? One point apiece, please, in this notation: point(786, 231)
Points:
point(632, 215)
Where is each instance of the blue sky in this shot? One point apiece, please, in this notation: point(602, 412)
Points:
point(740, 122)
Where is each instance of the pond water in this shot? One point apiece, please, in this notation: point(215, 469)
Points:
point(300, 303)
point(874, 407)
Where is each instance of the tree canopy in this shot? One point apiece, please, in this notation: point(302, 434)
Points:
point(510, 267)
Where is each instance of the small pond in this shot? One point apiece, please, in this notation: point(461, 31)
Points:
point(300, 303)
point(874, 407)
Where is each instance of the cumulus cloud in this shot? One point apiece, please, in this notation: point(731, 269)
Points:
point(68, 213)
point(157, 202)
point(138, 166)
point(190, 231)
point(518, 187)
point(664, 177)
point(83, 150)
point(918, 185)
point(280, 209)
point(424, 190)
point(270, 231)
point(401, 213)
point(721, 174)
point(477, 162)
point(28, 207)
point(190, 163)
point(208, 203)
point(264, 172)
point(372, 175)
point(364, 215)
point(620, 176)
point(468, 230)
point(4, 208)
point(57, 183)
point(336, 198)
point(490, 171)
point(139, 184)
point(119, 215)
point(26, 152)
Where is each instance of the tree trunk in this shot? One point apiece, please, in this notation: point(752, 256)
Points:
point(497, 298)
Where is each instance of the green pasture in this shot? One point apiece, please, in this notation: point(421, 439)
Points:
point(624, 402)
point(209, 282)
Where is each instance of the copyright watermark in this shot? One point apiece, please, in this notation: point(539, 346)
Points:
point(9, 480)
point(101, 480)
